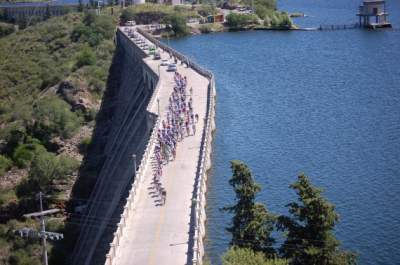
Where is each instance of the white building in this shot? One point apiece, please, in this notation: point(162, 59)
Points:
point(171, 2)
point(372, 14)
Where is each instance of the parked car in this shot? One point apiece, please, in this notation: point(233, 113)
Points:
point(171, 67)
point(157, 56)
point(130, 23)
point(164, 62)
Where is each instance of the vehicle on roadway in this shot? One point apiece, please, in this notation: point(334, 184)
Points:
point(172, 67)
point(130, 23)
point(164, 62)
point(157, 56)
point(152, 49)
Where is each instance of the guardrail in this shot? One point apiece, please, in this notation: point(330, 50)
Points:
point(198, 209)
point(177, 54)
point(132, 197)
point(129, 206)
point(199, 195)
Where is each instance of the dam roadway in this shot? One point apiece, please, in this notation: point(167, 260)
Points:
point(155, 233)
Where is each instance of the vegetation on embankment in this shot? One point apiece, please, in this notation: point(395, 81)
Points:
point(308, 229)
point(176, 18)
point(22, 21)
point(20, 1)
point(268, 20)
point(6, 29)
point(52, 78)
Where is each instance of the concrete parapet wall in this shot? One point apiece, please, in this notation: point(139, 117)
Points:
point(198, 213)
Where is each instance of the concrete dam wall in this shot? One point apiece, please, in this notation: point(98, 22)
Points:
point(123, 223)
point(123, 128)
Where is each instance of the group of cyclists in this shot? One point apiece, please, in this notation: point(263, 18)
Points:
point(180, 122)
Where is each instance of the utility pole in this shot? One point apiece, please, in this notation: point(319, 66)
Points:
point(43, 234)
point(43, 230)
point(158, 107)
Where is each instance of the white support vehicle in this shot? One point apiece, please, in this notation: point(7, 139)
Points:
point(164, 62)
point(172, 67)
point(130, 23)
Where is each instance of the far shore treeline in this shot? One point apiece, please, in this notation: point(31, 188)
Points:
point(308, 229)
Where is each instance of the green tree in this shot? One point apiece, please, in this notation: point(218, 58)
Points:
point(241, 256)
point(127, 14)
point(236, 20)
point(269, 4)
point(89, 18)
point(93, 30)
point(45, 168)
point(285, 21)
point(310, 239)
point(80, 5)
point(252, 224)
point(5, 165)
point(85, 57)
point(47, 15)
point(178, 24)
point(24, 153)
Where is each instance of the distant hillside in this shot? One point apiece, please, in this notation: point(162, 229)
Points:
point(21, 1)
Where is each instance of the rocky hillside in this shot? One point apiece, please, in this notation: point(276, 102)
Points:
point(52, 77)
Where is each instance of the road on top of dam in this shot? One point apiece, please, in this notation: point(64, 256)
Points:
point(160, 234)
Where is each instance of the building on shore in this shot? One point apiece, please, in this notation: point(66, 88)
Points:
point(27, 10)
point(372, 14)
point(133, 2)
point(171, 2)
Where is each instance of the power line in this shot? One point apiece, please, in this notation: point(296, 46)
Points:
point(43, 234)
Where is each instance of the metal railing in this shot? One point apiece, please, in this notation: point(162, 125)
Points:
point(132, 197)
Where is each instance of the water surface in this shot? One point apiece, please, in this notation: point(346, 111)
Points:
point(323, 103)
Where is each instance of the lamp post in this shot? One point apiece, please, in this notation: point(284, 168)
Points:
point(158, 106)
point(134, 163)
point(42, 230)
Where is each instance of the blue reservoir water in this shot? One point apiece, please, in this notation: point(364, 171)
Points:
point(323, 103)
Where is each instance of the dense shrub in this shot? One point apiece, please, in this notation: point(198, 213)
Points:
point(5, 164)
point(85, 57)
point(241, 20)
point(178, 25)
point(84, 145)
point(207, 10)
point(261, 11)
point(278, 20)
point(93, 30)
point(45, 168)
point(149, 13)
point(127, 14)
point(6, 29)
point(211, 27)
point(268, 4)
point(22, 257)
point(240, 256)
point(24, 153)
point(54, 118)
